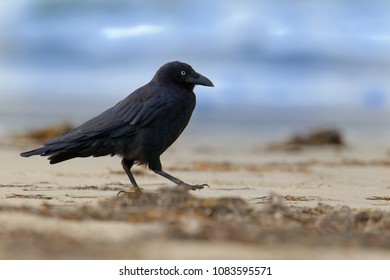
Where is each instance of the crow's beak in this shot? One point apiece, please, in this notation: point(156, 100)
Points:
point(198, 79)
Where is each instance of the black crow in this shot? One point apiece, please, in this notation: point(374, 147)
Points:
point(139, 128)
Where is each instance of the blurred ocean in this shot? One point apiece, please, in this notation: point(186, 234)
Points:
point(277, 65)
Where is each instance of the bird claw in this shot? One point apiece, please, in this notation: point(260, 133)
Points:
point(136, 191)
point(194, 187)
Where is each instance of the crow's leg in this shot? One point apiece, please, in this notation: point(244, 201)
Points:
point(179, 182)
point(155, 166)
point(127, 164)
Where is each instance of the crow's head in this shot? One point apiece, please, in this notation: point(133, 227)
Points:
point(181, 74)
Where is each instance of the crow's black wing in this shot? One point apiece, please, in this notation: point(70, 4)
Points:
point(139, 109)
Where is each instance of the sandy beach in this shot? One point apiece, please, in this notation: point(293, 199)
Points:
point(311, 203)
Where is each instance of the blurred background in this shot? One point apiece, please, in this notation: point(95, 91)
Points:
point(276, 65)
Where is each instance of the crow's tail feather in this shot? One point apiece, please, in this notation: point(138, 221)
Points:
point(64, 151)
point(56, 158)
point(56, 154)
point(40, 151)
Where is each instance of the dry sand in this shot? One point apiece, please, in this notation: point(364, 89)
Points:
point(316, 203)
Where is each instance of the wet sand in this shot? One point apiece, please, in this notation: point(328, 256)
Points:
point(313, 203)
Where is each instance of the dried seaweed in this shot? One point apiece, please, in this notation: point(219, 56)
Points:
point(233, 219)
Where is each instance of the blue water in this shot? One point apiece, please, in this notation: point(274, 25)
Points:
point(232, 124)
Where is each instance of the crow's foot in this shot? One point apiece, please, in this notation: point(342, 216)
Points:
point(136, 191)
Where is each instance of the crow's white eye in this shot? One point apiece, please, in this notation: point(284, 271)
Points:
point(183, 73)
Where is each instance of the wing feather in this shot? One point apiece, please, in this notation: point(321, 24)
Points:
point(138, 110)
